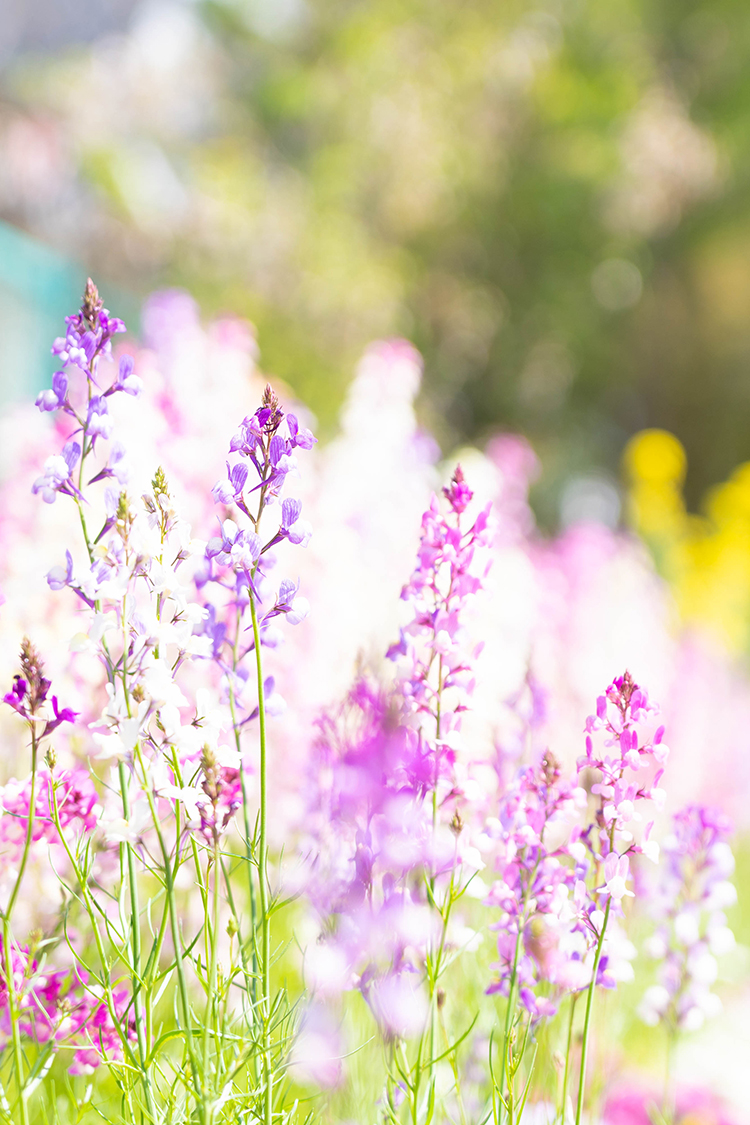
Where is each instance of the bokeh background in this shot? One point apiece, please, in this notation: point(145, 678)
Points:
point(549, 199)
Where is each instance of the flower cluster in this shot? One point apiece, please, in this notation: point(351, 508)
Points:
point(238, 560)
point(628, 763)
point(373, 844)
point(222, 795)
point(390, 828)
point(77, 393)
point(28, 695)
point(75, 802)
point(692, 894)
point(435, 677)
point(559, 882)
point(544, 936)
point(61, 1010)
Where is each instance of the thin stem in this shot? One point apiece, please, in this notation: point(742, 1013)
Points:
point(29, 828)
point(135, 945)
point(511, 998)
point(563, 1100)
point(8, 939)
point(668, 1101)
point(265, 921)
point(433, 1014)
point(587, 1018)
point(212, 1005)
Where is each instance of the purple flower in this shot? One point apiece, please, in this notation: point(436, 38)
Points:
point(225, 491)
point(87, 338)
point(56, 397)
point(126, 381)
point(66, 715)
point(16, 696)
point(57, 474)
point(98, 421)
point(57, 578)
point(298, 435)
point(239, 558)
point(544, 934)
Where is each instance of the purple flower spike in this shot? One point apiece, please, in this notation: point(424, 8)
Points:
point(458, 493)
point(238, 559)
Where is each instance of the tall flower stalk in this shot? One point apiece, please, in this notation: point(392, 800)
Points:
point(237, 562)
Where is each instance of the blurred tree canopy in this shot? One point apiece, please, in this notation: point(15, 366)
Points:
point(550, 199)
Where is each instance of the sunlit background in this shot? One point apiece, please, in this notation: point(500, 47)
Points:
point(550, 199)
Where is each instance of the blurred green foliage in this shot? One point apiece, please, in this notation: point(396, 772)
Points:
point(551, 199)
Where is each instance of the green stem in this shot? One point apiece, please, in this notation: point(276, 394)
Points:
point(510, 1005)
point(433, 1013)
point(251, 979)
point(135, 931)
point(248, 846)
point(265, 921)
point(573, 1000)
point(212, 1004)
point(668, 1106)
point(8, 939)
point(29, 829)
point(587, 1018)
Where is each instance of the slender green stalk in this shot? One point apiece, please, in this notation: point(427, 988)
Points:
point(587, 1018)
point(135, 945)
point(568, 1045)
point(29, 829)
point(245, 813)
point(433, 980)
point(8, 938)
point(265, 921)
point(212, 1005)
point(510, 1006)
point(668, 1101)
point(13, 1016)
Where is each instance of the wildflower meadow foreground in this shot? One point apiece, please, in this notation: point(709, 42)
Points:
point(278, 845)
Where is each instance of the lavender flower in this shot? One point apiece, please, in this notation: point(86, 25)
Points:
point(239, 560)
point(435, 675)
point(543, 936)
point(391, 854)
point(692, 894)
point(28, 696)
point(629, 764)
point(76, 391)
